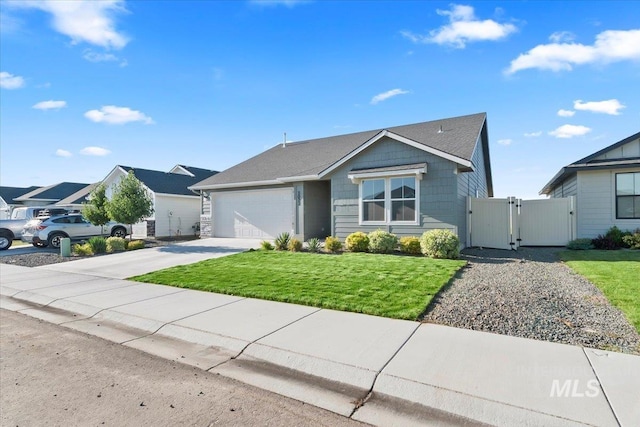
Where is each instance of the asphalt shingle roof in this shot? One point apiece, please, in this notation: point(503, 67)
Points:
point(53, 192)
point(309, 158)
point(170, 183)
point(10, 193)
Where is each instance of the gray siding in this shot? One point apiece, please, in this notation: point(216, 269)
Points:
point(471, 184)
point(568, 187)
point(438, 190)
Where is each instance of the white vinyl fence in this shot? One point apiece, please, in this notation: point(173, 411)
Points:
point(510, 223)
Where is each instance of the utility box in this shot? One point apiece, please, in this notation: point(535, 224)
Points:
point(65, 247)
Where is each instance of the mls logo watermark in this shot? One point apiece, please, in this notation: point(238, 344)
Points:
point(575, 388)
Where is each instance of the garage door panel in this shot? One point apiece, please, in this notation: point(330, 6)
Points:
point(258, 214)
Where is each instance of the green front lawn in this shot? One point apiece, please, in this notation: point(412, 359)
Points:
point(616, 273)
point(383, 285)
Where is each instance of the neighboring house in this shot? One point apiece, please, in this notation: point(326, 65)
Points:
point(49, 195)
point(404, 179)
point(607, 188)
point(7, 199)
point(77, 199)
point(176, 208)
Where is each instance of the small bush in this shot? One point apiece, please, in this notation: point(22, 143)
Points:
point(580, 245)
point(633, 240)
point(314, 245)
point(604, 243)
point(357, 242)
point(266, 245)
point(410, 245)
point(294, 245)
point(135, 244)
point(98, 244)
point(82, 250)
point(115, 244)
point(382, 242)
point(440, 244)
point(282, 241)
point(332, 244)
point(617, 236)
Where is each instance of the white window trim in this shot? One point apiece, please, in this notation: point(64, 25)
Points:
point(387, 197)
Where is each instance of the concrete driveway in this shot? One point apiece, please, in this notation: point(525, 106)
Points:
point(133, 263)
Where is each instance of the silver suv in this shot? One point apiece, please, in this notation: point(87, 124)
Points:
point(50, 231)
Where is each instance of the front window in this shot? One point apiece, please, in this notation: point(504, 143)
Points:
point(389, 200)
point(628, 195)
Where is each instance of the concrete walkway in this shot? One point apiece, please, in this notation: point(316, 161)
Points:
point(378, 370)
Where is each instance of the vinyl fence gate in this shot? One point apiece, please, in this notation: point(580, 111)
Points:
point(511, 222)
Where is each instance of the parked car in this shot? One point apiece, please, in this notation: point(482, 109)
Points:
point(11, 229)
point(50, 231)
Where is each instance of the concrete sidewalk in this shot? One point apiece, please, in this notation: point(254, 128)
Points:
point(378, 370)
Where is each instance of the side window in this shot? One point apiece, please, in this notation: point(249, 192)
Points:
point(628, 195)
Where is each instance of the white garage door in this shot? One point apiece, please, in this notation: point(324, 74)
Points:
point(259, 214)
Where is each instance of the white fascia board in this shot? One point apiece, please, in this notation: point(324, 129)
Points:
point(183, 169)
point(399, 138)
point(195, 196)
point(357, 177)
point(235, 185)
point(299, 178)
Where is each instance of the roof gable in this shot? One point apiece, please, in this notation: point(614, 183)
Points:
point(168, 182)
point(52, 193)
point(453, 138)
point(622, 154)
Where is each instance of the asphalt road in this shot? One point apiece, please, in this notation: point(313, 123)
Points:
point(50, 375)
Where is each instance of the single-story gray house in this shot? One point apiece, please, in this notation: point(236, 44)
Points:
point(404, 179)
point(607, 188)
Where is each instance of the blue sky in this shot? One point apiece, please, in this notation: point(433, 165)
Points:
point(86, 85)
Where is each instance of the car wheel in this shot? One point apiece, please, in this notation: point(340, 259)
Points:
point(119, 232)
point(5, 241)
point(54, 240)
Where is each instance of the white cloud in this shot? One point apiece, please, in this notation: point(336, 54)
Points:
point(569, 131)
point(63, 153)
point(287, 3)
point(610, 106)
point(92, 56)
point(117, 115)
point(566, 113)
point(463, 28)
point(562, 36)
point(609, 46)
point(505, 141)
point(9, 81)
point(533, 134)
point(50, 105)
point(386, 95)
point(87, 21)
point(94, 151)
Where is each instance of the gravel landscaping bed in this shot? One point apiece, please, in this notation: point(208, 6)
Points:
point(529, 293)
point(46, 256)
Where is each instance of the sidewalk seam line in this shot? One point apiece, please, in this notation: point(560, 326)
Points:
point(604, 393)
point(363, 401)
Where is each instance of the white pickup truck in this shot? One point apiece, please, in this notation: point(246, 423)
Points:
point(11, 229)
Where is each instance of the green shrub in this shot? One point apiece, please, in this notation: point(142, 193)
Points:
point(294, 245)
point(314, 244)
point(266, 245)
point(357, 242)
point(617, 236)
point(98, 244)
point(632, 240)
point(115, 244)
point(332, 244)
point(82, 249)
point(410, 245)
point(440, 244)
point(382, 242)
point(135, 244)
point(580, 245)
point(282, 241)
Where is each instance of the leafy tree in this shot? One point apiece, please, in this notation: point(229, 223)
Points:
point(130, 202)
point(96, 210)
